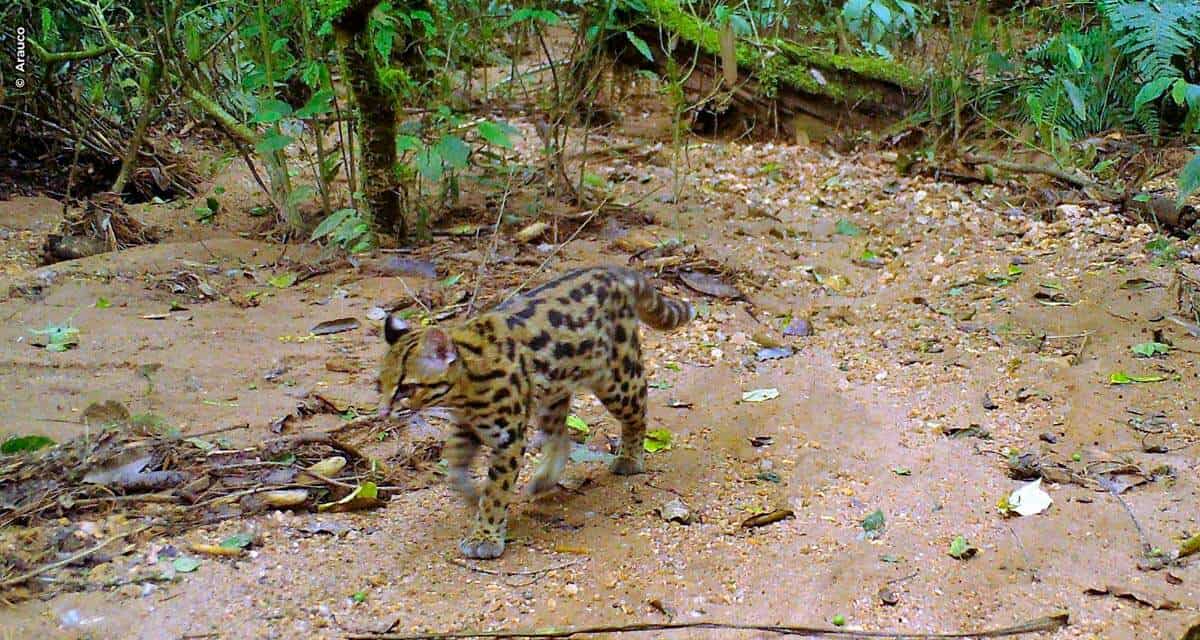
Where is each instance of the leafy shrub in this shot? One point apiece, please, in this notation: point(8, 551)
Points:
point(345, 228)
point(880, 24)
point(1162, 40)
point(1076, 85)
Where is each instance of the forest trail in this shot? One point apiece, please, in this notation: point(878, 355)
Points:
point(935, 309)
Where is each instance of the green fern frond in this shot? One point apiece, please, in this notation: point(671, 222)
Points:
point(1159, 36)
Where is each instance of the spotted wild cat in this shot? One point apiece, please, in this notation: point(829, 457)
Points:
point(522, 359)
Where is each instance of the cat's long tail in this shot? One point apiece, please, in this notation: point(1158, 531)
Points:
point(657, 310)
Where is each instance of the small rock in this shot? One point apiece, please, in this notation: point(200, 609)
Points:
point(1048, 437)
point(799, 328)
point(988, 403)
point(1025, 466)
point(676, 511)
point(342, 364)
point(278, 368)
point(888, 597)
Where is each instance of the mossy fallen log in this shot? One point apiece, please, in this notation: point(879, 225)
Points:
point(784, 86)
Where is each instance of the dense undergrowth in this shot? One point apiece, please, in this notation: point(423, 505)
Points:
point(298, 89)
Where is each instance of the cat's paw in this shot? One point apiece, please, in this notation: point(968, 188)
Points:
point(623, 466)
point(481, 548)
point(541, 483)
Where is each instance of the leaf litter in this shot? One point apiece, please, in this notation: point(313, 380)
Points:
point(187, 479)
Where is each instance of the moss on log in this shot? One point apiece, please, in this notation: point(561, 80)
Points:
point(781, 80)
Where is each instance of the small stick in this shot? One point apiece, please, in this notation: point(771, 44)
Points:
point(1028, 561)
point(1136, 525)
point(69, 559)
point(327, 480)
point(1116, 315)
point(1070, 336)
point(213, 432)
point(496, 572)
point(903, 578)
point(1052, 622)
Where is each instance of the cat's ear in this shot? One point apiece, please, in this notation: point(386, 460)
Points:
point(394, 327)
point(437, 350)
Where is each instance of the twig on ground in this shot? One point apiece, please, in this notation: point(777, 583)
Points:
point(1028, 560)
point(1146, 547)
point(497, 572)
point(1116, 315)
point(1022, 167)
point(213, 432)
point(903, 578)
point(1051, 622)
point(328, 480)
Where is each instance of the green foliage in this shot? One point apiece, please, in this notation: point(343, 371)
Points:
point(1150, 349)
point(58, 337)
point(1162, 40)
point(19, 444)
point(345, 228)
point(880, 24)
point(1189, 179)
point(1077, 86)
point(1135, 68)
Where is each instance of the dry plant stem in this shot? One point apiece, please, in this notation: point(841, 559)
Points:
point(1052, 622)
point(213, 432)
point(74, 166)
point(320, 437)
point(554, 253)
point(1022, 167)
point(1028, 560)
point(1146, 547)
point(328, 480)
point(150, 91)
point(494, 572)
point(11, 582)
point(495, 243)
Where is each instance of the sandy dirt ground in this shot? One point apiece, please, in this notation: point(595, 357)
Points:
point(931, 359)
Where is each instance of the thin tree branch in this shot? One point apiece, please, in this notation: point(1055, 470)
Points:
point(1051, 622)
point(67, 56)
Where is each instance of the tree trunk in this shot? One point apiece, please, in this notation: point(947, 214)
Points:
point(376, 118)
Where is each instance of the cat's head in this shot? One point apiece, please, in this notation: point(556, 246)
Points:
point(420, 370)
